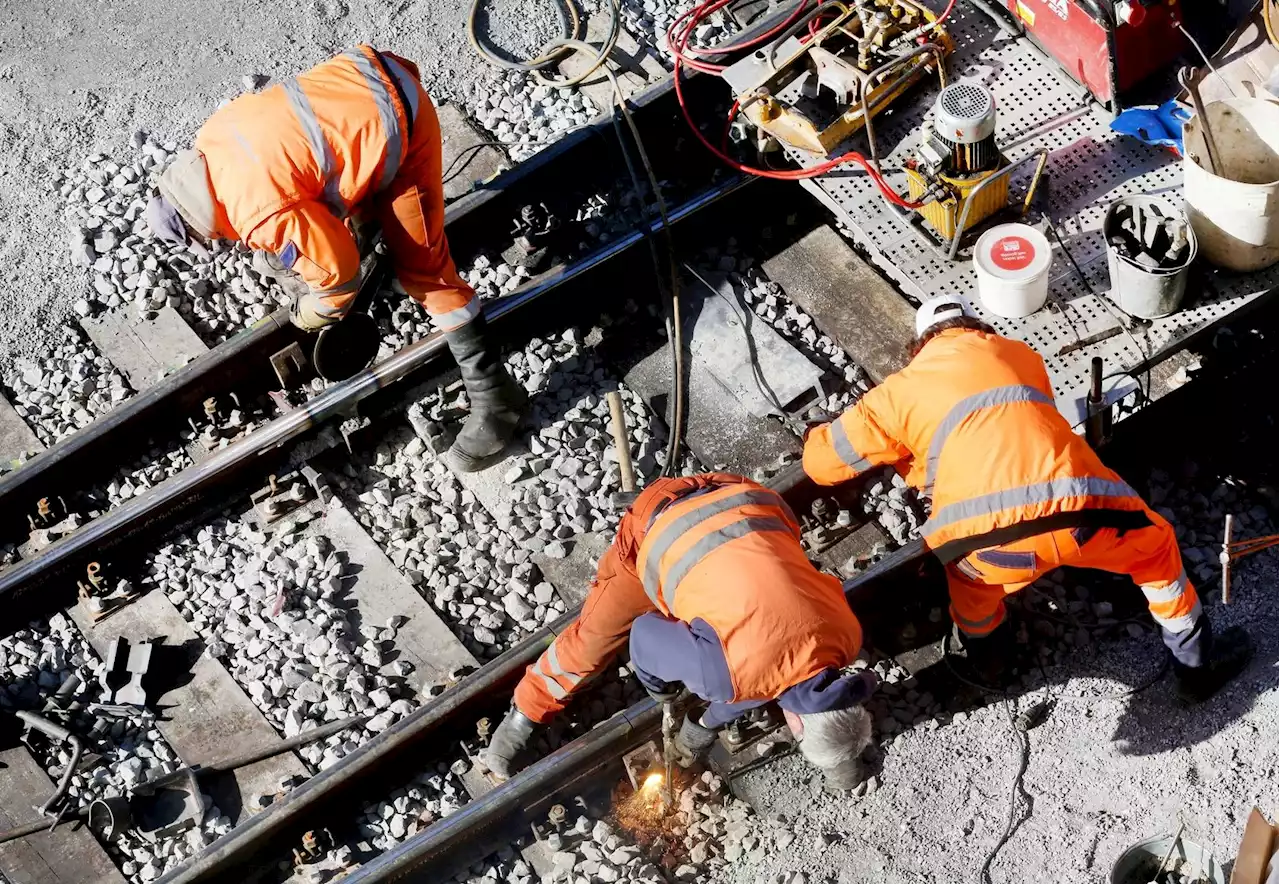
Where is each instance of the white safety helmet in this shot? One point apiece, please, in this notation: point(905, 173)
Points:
point(940, 309)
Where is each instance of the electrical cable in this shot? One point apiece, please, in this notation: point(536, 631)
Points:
point(601, 55)
point(569, 20)
point(1267, 7)
point(678, 43)
point(465, 156)
point(675, 333)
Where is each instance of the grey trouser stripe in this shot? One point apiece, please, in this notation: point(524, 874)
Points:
point(674, 530)
point(713, 541)
point(458, 317)
point(553, 663)
point(845, 450)
point(971, 627)
point(386, 105)
point(319, 146)
point(966, 407)
point(1025, 495)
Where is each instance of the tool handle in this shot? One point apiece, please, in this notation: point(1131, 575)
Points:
point(621, 441)
point(1225, 559)
point(45, 726)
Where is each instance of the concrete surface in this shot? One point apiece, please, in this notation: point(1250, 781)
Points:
point(380, 592)
point(69, 855)
point(144, 351)
point(847, 299)
point(202, 712)
point(458, 135)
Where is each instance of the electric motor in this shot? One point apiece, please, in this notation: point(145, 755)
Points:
point(961, 138)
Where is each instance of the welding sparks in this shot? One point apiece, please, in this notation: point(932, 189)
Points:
point(652, 783)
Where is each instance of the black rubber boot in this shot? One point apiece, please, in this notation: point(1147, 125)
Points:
point(509, 741)
point(497, 402)
point(1227, 656)
point(989, 657)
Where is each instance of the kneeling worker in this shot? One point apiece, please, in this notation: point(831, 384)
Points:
point(971, 421)
point(708, 577)
point(283, 170)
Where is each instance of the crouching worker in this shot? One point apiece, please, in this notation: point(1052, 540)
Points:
point(708, 578)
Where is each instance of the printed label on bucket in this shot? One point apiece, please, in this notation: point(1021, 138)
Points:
point(1012, 253)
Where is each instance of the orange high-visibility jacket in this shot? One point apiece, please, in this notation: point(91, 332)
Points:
point(971, 421)
point(730, 554)
point(288, 164)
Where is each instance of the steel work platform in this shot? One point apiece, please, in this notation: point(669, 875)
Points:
point(1089, 167)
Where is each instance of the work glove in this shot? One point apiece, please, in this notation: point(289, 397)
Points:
point(510, 739)
point(692, 743)
point(304, 315)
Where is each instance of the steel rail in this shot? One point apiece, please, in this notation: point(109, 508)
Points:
point(435, 723)
point(19, 599)
point(459, 838)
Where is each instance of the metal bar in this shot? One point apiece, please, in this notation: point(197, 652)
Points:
point(1225, 560)
point(295, 742)
point(18, 599)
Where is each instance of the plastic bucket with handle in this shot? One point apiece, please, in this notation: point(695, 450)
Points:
point(1012, 263)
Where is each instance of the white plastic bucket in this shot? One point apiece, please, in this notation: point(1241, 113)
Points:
point(1012, 263)
point(1138, 864)
point(1234, 214)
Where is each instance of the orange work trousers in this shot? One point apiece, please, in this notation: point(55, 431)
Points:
point(979, 582)
point(411, 214)
point(582, 651)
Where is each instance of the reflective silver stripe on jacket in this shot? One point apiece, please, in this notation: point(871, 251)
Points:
point(1162, 594)
point(385, 101)
point(408, 84)
point(671, 532)
point(1025, 495)
point(319, 146)
point(452, 319)
point(1180, 624)
point(964, 408)
point(713, 541)
point(844, 448)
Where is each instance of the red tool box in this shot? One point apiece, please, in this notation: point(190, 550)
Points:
point(1107, 46)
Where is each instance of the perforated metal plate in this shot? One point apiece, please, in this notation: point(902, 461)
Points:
point(1038, 106)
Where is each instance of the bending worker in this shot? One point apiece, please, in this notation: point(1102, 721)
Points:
point(971, 422)
point(284, 170)
point(708, 577)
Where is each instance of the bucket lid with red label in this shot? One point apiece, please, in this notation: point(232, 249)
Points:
point(1013, 252)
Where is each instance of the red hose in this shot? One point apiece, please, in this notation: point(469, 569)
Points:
point(678, 43)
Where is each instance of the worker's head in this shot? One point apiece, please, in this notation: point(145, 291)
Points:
point(833, 742)
point(936, 315)
point(184, 210)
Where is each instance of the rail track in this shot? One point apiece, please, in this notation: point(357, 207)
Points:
point(707, 205)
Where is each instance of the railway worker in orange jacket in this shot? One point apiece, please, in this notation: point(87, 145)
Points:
point(284, 171)
point(971, 422)
point(708, 578)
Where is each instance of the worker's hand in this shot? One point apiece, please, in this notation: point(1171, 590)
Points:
point(692, 743)
point(304, 315)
